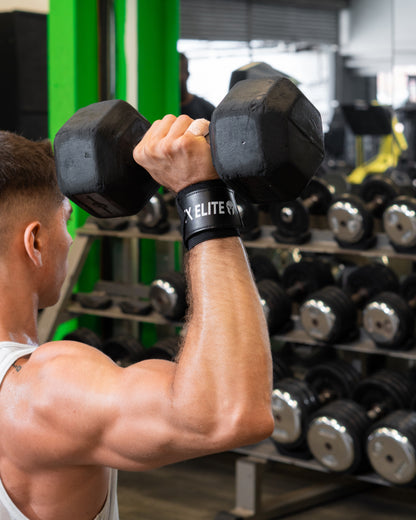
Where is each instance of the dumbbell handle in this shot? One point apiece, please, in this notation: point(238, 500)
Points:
point(380, 409)
point(326, 395)
point(377, 201)
point(311, 200)
point(359, 296)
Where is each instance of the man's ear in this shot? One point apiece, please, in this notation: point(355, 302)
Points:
point(32, 243)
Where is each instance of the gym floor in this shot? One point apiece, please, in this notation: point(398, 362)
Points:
point(199, 489)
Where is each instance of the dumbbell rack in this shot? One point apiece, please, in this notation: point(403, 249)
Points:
point(250, 468)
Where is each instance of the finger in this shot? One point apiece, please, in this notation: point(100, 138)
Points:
point(199, 127)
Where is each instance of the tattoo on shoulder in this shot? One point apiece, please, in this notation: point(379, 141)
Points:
point(17, 367)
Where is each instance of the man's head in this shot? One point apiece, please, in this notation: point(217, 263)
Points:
point(33, 214)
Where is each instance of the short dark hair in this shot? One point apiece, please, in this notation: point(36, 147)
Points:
point(27, 169)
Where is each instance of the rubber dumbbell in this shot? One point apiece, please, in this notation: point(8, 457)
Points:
point(389, 318)
point(337, 432)
point(399, 222)
point(391, 447)
point(123, 349)
point(293, 400)
point(263, 268)
point(281, 370)
point(266, 142)
point(167, 295)
point(166, 348)
point(84, 335)
point(331, 314)
point(291, 218)
point(297, 280)
point(351, 217)
point(153, 218)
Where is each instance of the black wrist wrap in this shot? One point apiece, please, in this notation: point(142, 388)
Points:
point(207, 210)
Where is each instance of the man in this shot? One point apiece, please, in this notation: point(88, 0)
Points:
point(67, 412)
point(192, 105)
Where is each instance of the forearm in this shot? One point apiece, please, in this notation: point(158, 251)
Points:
point(224, 369)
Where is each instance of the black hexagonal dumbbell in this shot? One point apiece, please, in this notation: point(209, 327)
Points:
point(336, 434)
point(351, 217)
point(389, 317)
point(331, 314)
point(399, 223)
point(291, 218)
point(293, 400)
point(266, 142)
point(391, 447)
point(297, 281)
point(167, 295)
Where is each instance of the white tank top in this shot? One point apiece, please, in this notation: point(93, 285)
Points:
point(9, 353)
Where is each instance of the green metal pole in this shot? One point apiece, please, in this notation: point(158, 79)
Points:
point(73, 83)
point(158, 85)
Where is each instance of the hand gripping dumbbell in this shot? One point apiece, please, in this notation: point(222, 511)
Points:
point(167, 295)
point(389, 318)
point(331, 314)
point(293, 400)
point(337, 432)
point(265, 136)
point(399, 223)
point(391, 447)
point(298, 280)
point(351, 217)
point(291, 218)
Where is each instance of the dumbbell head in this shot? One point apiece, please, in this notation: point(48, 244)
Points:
point(166, 348)
point(307, 275)
point(167, 295)
point(84, 335)
point(368, 280)
point(335, 435)
point(399, 222)
point(123, 349)
point(263, 268)
point(266, 139)
point(349, 220)
point(388, 320)
point(153, 217)
point(336, 379)
point(94, 159)
point(319, 193)
point(383, 392)
point(379, 191)
point(391, 447)
point(281, 370)
point(291, 219)
point(277, 306)
point(329, 315)
point(292, 403)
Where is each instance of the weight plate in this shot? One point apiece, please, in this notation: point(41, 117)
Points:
point(388, 320)
point(348, 220)
point(336, 379)
point(301, 278)
point(292, 402)
point(276, 305)
point(263, 268)
point(335, 436)
point(153, 214)
point(290, 218)
point(167, 295)
point(320, 194)
point(380, 189)
point(373, 279)
point(391, 447)
point(408, 287)
point(328, 315)
point(84, 335)
point(399, 222)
